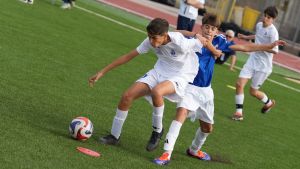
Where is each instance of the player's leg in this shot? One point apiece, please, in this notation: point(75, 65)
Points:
point(171, 137)
point(201, 134)
point(162, 89)
point(257, 81)
point(239, 98)
point(182, 23)
point(137, 90)
point(233, 61)
point(245, 74)
point(206, 118)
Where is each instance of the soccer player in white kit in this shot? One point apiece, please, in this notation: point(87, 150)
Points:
point(259, 64)
point(177, 65)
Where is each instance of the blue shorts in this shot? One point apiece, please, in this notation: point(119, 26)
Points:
point(184, 23)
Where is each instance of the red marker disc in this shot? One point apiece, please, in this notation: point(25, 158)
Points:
point(88, 152)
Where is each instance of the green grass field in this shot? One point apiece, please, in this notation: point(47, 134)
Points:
point(47, 55)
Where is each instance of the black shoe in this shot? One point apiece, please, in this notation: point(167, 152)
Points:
point(154, 140)
point(109, 139)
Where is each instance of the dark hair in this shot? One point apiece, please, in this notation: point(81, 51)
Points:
point(271, 11)
point(158, 26)
point(211, 19)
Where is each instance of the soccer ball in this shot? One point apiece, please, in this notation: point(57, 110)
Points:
point(81, 128)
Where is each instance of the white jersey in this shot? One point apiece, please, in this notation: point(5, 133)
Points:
point(262, 61)
point(189, 11)
point(176, 58)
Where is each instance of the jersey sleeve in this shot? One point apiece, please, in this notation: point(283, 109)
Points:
point(144, 47)
point(224, 45)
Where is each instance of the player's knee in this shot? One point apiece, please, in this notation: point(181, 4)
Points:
point(238, 85)
point(127, 97)
point(156, 92)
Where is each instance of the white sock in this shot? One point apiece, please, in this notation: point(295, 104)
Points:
point(266, 100)
point(239, 101)
point(157, 117)
point(117, 125)
point(171, 137)
point(198, 141)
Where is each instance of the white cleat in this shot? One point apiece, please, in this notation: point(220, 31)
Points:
point(30, 2)
point(66, 6)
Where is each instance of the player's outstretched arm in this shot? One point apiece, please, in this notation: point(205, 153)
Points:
point(217, 53)
point(119, 61)
point(186, 33)
point(252, 47)
point(195, 3)
point(246, 37)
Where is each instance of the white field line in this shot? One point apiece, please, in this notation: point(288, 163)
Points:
point(141, 31)
point(110, 19)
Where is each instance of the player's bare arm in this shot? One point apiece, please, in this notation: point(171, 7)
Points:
point(119, 61)
point(186, 33)
point(251, 47)
point(217, 53)
point(275, 43)
point(202, 39)
point(246, 37)
point(195, 3)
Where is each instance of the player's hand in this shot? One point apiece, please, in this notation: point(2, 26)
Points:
point(218, 53)
point(202, 39)
point(95, 78)
point(240, 36)
point(279, 43)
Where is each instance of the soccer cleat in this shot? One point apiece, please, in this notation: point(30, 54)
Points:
point(163, 159)
point(237, 116)
point(154, 140)
point(30, 2)
point(66, 6)
point(201, 155)
point(109, 139)
point(267, 108)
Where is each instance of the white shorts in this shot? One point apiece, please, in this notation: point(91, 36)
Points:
point(258, 78)
point(200, 103)
point(152, 78)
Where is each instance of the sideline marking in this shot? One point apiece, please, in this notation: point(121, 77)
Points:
point(110, 19)
point(141, 31)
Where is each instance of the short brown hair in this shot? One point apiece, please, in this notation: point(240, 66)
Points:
point(211, 19)
point(271, 11)
point(158, 26)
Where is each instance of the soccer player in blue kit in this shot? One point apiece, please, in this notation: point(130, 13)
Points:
point(197, 102)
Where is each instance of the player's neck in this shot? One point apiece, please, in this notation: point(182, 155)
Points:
point(266, 25)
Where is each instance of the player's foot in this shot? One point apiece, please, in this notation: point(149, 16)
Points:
point(201, 155)
point(109, 139)
point(30, 2)
point(154, 140)
point(237, 116)
point(267, 108)
point(164, 159)
point(66, 6)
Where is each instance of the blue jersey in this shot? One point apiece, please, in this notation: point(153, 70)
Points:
point(207, 61)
